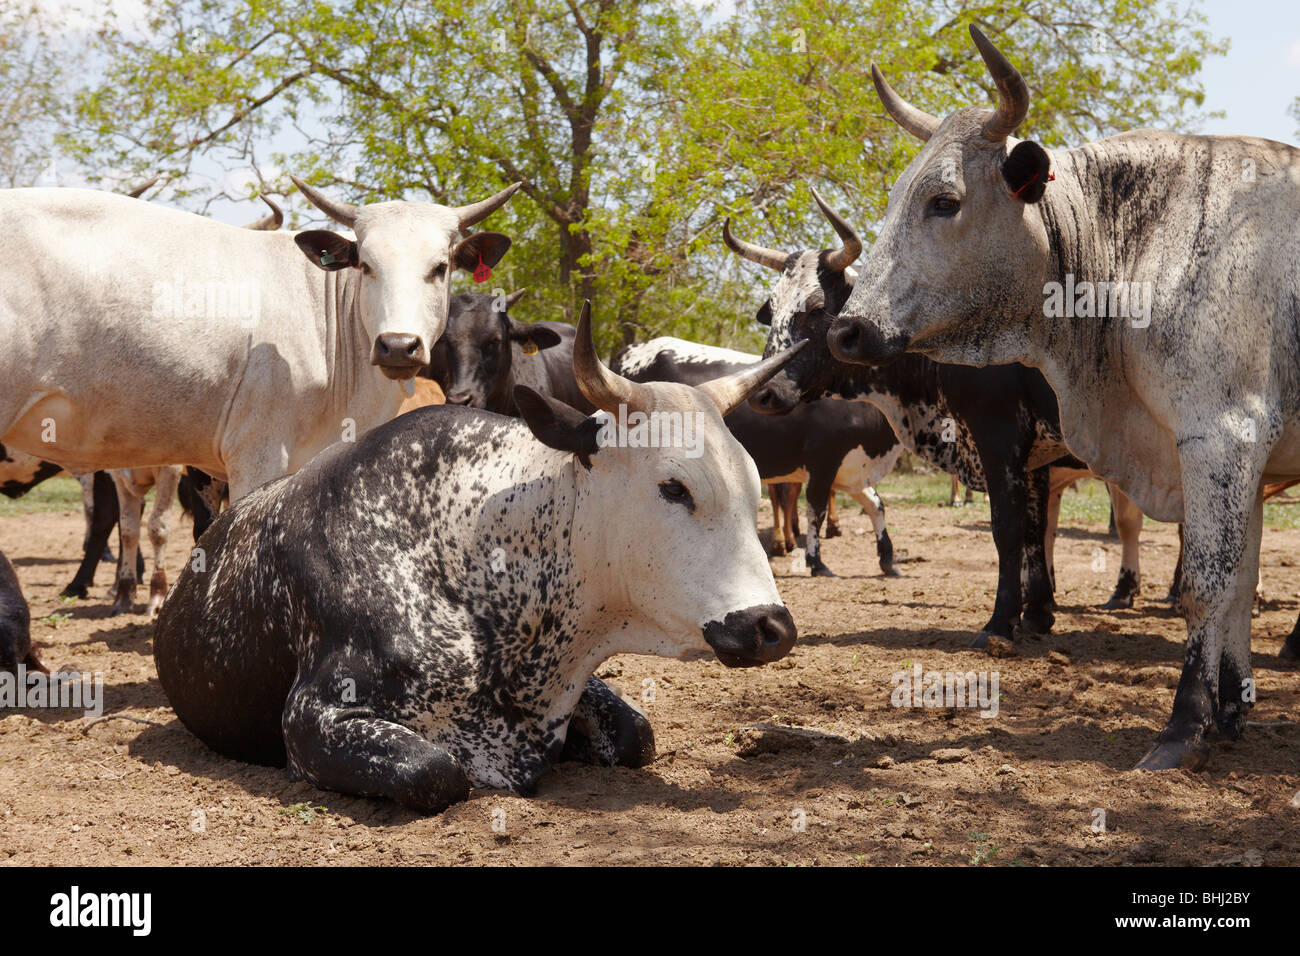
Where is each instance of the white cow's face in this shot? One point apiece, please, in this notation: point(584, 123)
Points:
point(403, 256)
point(667, 525)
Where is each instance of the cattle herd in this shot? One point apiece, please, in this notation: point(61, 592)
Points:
point(409, 601)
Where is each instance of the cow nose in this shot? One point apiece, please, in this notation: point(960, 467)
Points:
point(459, 398)
point(753, 636)
point(861, 343)
point(400, 350)
point(772, 399)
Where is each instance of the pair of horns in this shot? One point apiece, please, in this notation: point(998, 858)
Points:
point(839, 260)
point(1013, 97)
point(608, 390)
point(345, 213)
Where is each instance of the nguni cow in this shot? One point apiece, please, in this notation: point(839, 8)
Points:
point(816, 437)
point(995, 429)
point(486, 352)
point(16, 645)
point(1154, 278)
point(492, 565)
point(241, 353)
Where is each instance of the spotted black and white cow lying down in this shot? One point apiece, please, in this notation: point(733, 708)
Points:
point(817, 436)
point(422, 611)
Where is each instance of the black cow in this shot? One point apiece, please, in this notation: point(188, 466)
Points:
point(814, 437)
point(485, 353)
point(15, 624)
point(997, 428)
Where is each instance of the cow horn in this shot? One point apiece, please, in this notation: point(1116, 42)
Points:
point(515, 296)
point(476, 211)
point(1013, 93)
point(730, 391)
point(764, 257)
point(268, 223)
point(603, 388)
point(917, 122)
point(344, 213)
point(142, 188)
point(843, 257)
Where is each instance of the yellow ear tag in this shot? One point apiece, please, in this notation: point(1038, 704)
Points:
point(529, 348)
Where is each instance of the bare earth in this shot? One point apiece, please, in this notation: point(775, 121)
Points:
point(867, 784)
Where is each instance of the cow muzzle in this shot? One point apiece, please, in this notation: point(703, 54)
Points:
point(753, 636)
point(778, 397)
point(399, 355)
point(859, 342)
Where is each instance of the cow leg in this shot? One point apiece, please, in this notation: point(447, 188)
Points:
point(1037, 584)
point(103, 519)
point(130, 507)
point(819, 493)
point(1176, 585)
point(347, 747)
point(1224, 518)
point(874, 507)
point(1128, 522)
point(792, 512)
point(1051, 523)
point(777, 495)
point(1291, 649)
point(165, 483)
point(1007, 509)
point(954, 494)
point(832, 520)
point(606, 730)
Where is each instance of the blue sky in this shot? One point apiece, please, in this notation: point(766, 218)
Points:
point(1260, 76)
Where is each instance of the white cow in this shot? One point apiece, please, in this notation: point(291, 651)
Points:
point(138, 335)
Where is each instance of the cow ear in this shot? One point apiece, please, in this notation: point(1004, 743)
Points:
point(764, 316)
point(328, 250)
point(482, 247)
point(539, 335)
point(1026, 169)
point(557, 425)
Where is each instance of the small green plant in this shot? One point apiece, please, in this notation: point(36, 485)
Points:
point(55, 619)
point(67, 600)
point(983, 852)
point(305, 811)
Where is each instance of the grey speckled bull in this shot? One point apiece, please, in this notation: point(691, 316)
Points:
point(422, 611)
point(1179, 378)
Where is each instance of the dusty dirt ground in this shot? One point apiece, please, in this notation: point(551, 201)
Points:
point(867, 784)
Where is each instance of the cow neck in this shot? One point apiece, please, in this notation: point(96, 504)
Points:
point(348, 347)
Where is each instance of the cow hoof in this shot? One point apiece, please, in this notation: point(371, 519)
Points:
point(1176, 756)
point(1118, 603)
point(821, 571)
point(107, 557)
point(981, 639)
point(832, 530)
point(79, 591)
point(1036, 623)
point(778, 551)
point(889, 571)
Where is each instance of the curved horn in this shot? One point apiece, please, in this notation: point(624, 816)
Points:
point(730, 391)
point(268, 223)
point(475, 211)
point(343, 213)
point(1013, 93)
point(764, 257)
point(142, 188)
point(842, 258)
point(603, 388)
point(917, 122)
point(515, 296)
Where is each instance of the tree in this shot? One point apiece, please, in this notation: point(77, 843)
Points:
point(636, 125)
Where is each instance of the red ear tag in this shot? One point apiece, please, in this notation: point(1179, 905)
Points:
point(481, 272)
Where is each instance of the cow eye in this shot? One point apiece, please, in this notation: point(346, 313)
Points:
point(365, 269)
point(676, 492)
point(944, 206)
point(438, 271)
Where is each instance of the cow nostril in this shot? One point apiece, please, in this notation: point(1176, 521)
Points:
point(413, 347)
point(770, 630)
point(848, 338)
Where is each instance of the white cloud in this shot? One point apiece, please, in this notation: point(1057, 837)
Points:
point(1293, 56)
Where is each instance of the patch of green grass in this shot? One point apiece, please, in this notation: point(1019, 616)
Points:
point(305, 812)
